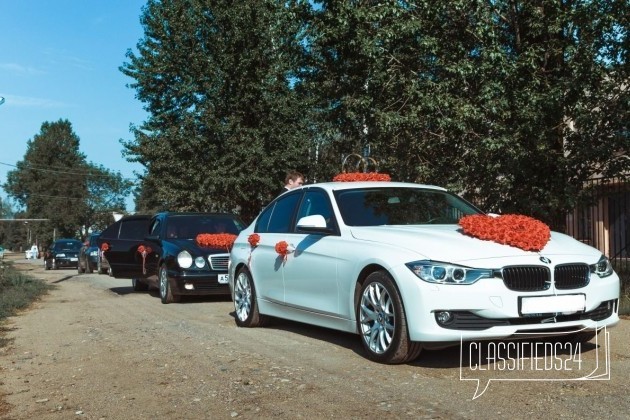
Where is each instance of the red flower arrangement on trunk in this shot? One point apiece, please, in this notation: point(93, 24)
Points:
point(105, 247)
point(144, 251)
point(216, 240)
point(520, 231)
point(361, 176)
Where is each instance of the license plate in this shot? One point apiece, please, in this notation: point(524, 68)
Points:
point(566, 304)
point(74, 259)
point(223, 278)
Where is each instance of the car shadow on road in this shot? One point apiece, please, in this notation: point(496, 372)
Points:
point(128, 290)
point(63, 279)
point(444, 358)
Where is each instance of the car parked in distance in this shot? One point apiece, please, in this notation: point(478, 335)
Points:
point(91, 257)
point(408, 266)
point(62, 253)
point(163, 251)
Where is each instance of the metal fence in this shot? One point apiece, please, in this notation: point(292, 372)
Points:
point(603, 220)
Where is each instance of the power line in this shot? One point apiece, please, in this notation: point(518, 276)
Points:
point(82, 173)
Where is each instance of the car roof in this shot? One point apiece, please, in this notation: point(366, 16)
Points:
point(335, 186)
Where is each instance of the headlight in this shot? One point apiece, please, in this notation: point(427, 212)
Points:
point(200, 262)
point(445, 273)
point(184, 259)
point(603, 268)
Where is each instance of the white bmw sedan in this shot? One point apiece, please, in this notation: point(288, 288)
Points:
point(393, 263)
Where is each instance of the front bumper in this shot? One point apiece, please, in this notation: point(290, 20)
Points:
point(488, 310)
point(196, 283)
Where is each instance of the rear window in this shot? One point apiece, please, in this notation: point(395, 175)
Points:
point(68, 246)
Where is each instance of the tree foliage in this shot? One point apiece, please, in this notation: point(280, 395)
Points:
point(55, 182)
point(512, 104)
point(225, 123)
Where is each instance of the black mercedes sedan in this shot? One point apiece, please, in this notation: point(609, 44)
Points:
point(181, 254)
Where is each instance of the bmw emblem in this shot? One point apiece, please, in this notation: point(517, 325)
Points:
point(545, 260)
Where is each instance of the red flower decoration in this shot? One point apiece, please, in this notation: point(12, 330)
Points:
point(361, 176)
point(282, 248)
point(105, 247)
point(253, 239)
point(216, 240)
point(515, 230)
point(144, 250)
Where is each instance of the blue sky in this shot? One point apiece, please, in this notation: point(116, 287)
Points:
point(59, 59)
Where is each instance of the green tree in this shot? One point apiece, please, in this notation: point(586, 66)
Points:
point(513, 104)
point(55, 182)
point(225, 123)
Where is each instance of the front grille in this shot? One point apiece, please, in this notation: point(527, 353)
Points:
point(219, 262)
point(526, 278)
point(571, 276)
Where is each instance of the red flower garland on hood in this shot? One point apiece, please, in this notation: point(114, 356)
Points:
point(216, 240)
point(520, 231)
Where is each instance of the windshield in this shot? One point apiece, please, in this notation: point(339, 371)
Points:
point(401, 206)
point(189, 226)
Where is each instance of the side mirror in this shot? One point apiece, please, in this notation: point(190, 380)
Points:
point(313, 224)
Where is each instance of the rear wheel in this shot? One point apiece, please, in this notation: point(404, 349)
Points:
point(166, 292)
point(245, 304)
point(79, 269)
point(382, 323)
point(88, 267)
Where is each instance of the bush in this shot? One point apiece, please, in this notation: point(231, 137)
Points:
point(17, 290)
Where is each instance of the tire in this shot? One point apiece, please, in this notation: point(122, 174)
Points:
point(99, 267)
point(138, 286)
point(88, 267)
point(79, 271)
point(381, 322)
point(54, 264)
point(166, 293)
point(245, 304)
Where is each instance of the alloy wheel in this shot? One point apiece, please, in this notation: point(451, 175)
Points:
point(377, 318)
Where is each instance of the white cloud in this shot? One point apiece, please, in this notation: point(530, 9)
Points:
point(31, 102)
point(20, 69)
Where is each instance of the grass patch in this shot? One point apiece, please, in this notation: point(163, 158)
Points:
point(17, 291)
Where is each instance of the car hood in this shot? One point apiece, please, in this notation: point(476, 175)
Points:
point(191, 246)
point(449, 244)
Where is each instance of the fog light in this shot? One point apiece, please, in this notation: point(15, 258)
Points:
point(189, 286)
point(444, 317)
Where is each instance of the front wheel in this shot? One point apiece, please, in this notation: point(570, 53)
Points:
point(166, 293)
point(245, 304)
point(382, 323)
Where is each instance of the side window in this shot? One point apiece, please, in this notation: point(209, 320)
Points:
point(155, 228)
point(134, 229)
point(316, 202)
point(262, 224)
point(281, 214)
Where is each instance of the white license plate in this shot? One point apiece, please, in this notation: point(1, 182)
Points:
point(74, 259)
point(567, 304)
point(223, 278)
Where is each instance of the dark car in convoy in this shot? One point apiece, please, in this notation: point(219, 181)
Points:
point(63, 253)
point(170, 251)
point(91, 257)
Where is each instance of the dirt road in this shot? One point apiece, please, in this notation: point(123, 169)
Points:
point(94, 349)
